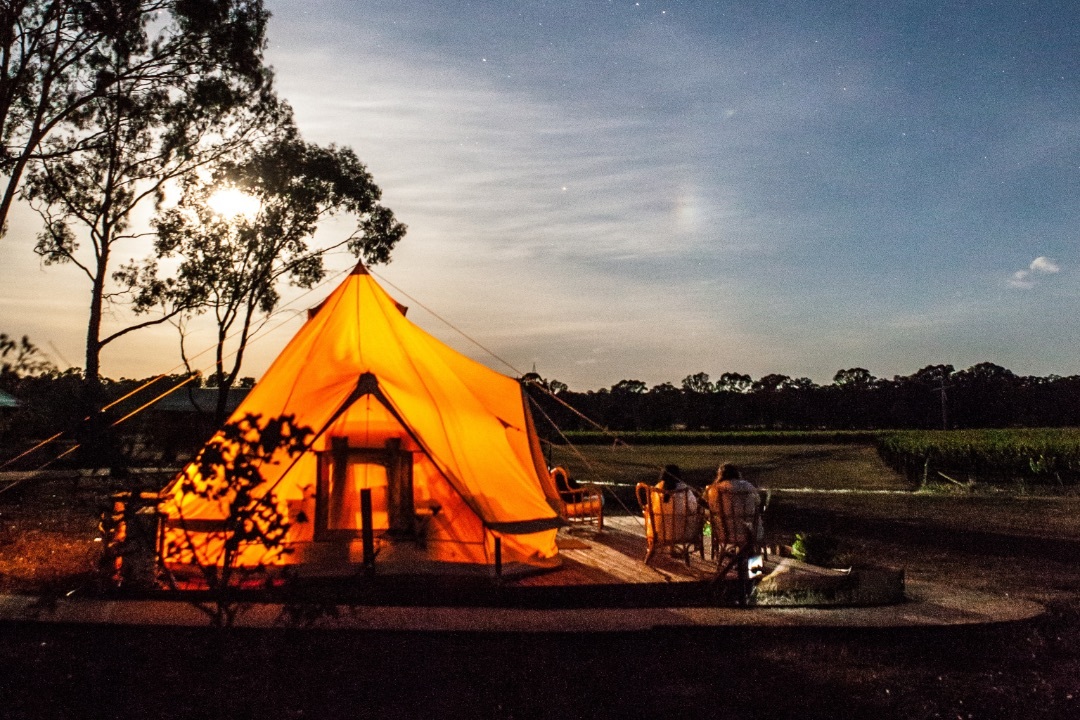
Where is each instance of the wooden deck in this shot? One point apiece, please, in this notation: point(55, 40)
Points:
point(616, 555)
point(608, 569)
point(604, 569)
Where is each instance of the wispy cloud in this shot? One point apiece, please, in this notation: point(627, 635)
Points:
point(1026, 279)
point(1044, 265)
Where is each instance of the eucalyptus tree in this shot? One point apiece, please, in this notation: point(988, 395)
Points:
point(734, 382)
point(629, 388)
point(923, 399)
point(233, 267)
point(855, 397)
point(854, 379)
point(165, 103)
point(697, 392)
point(986, 395)
point(766, 395)
point(58, 59)
point(665, 408)
point(46, 50)
point(698, 383)
point(555, 387)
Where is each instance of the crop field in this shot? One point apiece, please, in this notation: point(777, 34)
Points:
point(847, 490)
point(722, 437)
point(1049, 456)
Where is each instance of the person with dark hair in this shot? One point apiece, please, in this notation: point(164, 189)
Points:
point(676, 519)
point(671, 479)
point(728, 471)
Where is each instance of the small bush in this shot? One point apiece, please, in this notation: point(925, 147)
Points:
point(815, 548)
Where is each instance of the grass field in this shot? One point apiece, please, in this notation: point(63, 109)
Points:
point(1000, 457)
point(819, 466)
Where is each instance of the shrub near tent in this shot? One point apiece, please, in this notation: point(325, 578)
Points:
point(446, 446)
point(229, 472)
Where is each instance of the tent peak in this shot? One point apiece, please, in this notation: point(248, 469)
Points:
point(360, 269)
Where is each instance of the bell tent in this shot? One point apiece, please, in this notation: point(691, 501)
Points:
point(446, 447)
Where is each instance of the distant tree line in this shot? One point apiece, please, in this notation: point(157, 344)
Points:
point(936, 397)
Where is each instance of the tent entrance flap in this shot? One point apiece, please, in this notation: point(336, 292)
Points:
point(344, 471)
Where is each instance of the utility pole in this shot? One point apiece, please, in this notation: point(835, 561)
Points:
point(944, 402)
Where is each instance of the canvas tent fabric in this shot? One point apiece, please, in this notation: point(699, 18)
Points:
point(390, 406)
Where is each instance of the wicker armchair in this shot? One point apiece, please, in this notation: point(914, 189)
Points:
point(581, 504)
point(735, 514)
point(673, 519)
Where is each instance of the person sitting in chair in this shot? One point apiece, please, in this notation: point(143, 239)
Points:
point(735, 509)
point(677, 510)
point(671, 479)
point(739, 501)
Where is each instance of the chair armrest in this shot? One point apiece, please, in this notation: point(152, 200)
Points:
point(579, 494)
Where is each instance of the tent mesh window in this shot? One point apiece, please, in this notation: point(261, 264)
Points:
point(345, 471)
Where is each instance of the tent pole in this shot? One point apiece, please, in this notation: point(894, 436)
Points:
point(367, 533)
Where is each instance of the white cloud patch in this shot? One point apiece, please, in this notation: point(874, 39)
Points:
point(1044, 264)
point(1025, 279)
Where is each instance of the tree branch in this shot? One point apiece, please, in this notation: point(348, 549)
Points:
point(139, 326)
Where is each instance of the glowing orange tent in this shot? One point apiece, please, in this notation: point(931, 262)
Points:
point(446, 446)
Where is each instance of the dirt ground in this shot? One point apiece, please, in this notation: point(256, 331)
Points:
point(1020, 546)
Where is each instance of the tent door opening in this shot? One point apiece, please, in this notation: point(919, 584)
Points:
point(344, 471)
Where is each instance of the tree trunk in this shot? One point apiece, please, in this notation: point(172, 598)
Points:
point(226, 380)
point(9, 195)
point(92, 370)
point(221, 410)
point(98, 442)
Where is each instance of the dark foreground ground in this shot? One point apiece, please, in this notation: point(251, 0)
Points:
point(1026, 670)
point(66, 671)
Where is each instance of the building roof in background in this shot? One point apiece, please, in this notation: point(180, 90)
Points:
point(198, 400)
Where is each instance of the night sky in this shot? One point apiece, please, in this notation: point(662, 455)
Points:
point(646, 190)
